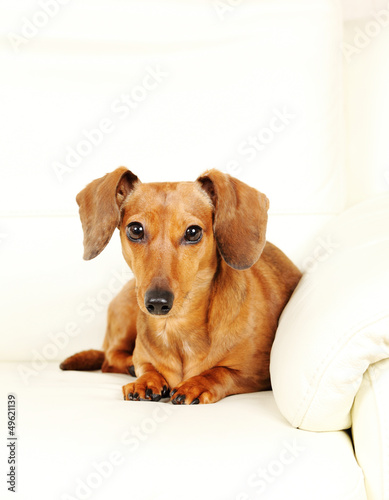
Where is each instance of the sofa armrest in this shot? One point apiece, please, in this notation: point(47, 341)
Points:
point(370, 429)
point(336, 324)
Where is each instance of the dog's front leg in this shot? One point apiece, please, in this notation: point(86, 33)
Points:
point(118, 361)
point(120, 336)
point(211, 386)
point(150, 386)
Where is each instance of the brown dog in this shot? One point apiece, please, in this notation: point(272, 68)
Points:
point(198, 321)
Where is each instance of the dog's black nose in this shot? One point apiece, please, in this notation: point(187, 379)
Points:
point(159, 301)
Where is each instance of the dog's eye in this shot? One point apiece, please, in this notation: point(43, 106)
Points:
point(193, 234)
point(135, 231)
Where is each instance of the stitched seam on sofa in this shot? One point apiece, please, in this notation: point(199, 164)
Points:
point(321, 369)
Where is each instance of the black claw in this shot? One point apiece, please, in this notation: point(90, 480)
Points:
point(156, 397)
point(135, 395)
point(148, 393)
point(173, 392)
point(179, 400)
point(130, 395)
point(131, 370)
point(195, 401)
point(165, 392)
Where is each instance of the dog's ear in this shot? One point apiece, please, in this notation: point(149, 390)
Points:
point(100, 208)
point(240, 218)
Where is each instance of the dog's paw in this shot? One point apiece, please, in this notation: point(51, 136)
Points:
point(148, 387)
point(193, 391)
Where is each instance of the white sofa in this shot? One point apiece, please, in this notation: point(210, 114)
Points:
point(269, 91)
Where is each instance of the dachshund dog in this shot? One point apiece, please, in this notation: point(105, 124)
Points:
point(198, 321)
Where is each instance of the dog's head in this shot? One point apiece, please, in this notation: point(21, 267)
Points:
point(173, 233)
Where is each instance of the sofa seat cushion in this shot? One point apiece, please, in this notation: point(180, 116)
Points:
point(78, 439)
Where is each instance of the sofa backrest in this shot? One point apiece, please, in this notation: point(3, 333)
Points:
point(168, 89)
point(365, 54)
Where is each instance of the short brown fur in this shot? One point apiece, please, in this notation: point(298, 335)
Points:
point(229, 288)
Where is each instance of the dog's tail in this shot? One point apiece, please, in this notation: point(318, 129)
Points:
point(84, 361)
